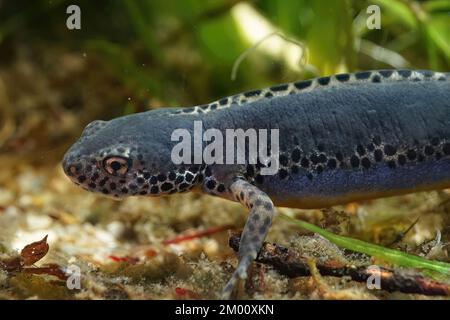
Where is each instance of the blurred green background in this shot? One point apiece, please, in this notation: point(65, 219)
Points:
point(130, 56)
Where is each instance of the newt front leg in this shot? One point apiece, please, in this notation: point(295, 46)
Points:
point(255, 229)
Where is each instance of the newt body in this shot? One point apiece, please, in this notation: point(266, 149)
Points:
point(342, 138)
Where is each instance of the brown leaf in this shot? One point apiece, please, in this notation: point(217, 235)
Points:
point(34, 252)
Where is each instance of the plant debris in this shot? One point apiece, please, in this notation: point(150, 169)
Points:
point(290, 263)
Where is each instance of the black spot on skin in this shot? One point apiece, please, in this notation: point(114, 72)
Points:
point(389, 150)
point(252, 93)
point(319, 169)
point(140, 180)
point(404, 73)
point(303, 84)
point(332, 163)
point(268, 94)
point(385, 73)
point(354, 161)
point(429, 150)
point(294, 169)
point(365, 162)
point(283, 174)
point(166, 186)
point(284, 160)
point(143, 193)
point(343, 77)
point(281, 87)
point(154, 190)
point(132, 186)
point(314, 158)
point(376, 79)
point(361, 150)
point(221, 188)
point(296, 154)
point(112, 186)
point(194, 169)
point(124, 190)
point(183, 186)
point(189, 177)
point(105, 191)
point(446, 148)
point(323, 81)
point(258, 202)
point(198, 178)
point(322, 158)
point(179, 179)
point(363, 75)
point(426, 73)
point(223, 101)
point(211, 184)
point(81, 179)
point(391, 164)
point(161, 177)
point(268, 205)
point(214, 106)
point(411, 154)
point(255, 216)
point(304, 163)
point(153, 180)
point(188, 110)
point(147, 175)
point(103, 182)
point(401, 159)
point(339, 156)
point(378, 155)
point(172, 176)
point(262, 230)
point(92, 185)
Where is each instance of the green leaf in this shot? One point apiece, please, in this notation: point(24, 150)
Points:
point(390, 255)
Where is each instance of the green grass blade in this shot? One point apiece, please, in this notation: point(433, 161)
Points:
point(390, 255)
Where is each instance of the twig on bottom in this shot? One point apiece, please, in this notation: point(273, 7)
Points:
point(291, 264)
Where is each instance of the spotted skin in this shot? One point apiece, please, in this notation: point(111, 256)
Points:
point(255, 230)
point(343, 138)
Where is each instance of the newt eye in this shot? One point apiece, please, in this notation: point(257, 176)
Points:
point(117, 166)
